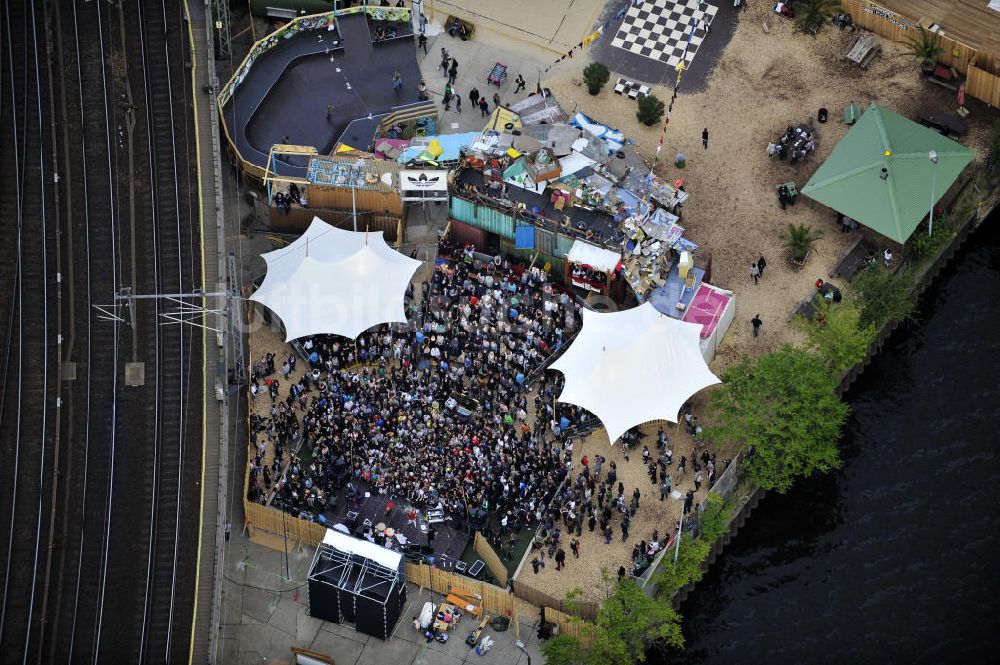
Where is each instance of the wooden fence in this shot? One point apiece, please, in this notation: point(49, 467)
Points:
point(273, 520)
point(585, 609)
point(570, 625)
point(494, 599)
point(981, 82)
point(490, 558)
point(983, 85)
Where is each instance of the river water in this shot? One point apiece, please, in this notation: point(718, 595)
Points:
point(896, 557)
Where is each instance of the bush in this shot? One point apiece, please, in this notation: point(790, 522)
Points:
point(993, 160)
point(836, 334)
point(629, 624)
point(715, 518)
point(650, 110)
point(595, 75)
point(782, 411)
point(670, 577)
point(884, 296)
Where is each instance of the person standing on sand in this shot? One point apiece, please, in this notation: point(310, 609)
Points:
point(761, 264)
point(754, 272)
point(704, 138)
point(756, 323)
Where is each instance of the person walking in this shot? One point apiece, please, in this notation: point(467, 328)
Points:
point(397, 80)
point(704, 138)
point(484, 106)
point(474, 96)
point(496, 100)
point(453, 71)
point(754, 272)
point(560, 558)
point(458, 103)
point(534, 565)
point(329, 111)
point(697, 481)
point(761, 264)
point(756, 323)
point(665, 487)
point(422, 41)
point(887, 257)
point(574, 545)
point(520, 84)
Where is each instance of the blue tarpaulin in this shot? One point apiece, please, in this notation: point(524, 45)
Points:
point(524, 237)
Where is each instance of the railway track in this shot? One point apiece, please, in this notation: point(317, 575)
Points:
point(27, 280)
point(118, 583)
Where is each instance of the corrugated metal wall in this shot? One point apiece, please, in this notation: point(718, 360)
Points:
point(494, 221)
point(467, 234)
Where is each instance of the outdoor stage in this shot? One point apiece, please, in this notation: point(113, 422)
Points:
point(285, 94)
point(449, 541)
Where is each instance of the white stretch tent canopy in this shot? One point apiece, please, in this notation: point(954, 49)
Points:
point(331, 281)
point(630, 367)
point(380, 555)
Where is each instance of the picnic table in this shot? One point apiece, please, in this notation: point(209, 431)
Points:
point(497, 75)
point(862, 50)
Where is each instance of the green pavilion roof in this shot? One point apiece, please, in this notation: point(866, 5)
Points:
point(851, 179)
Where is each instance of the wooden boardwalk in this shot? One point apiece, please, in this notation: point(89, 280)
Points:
point(968, 21)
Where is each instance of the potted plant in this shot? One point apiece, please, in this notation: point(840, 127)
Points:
point(926, 47)
point(650, 110)
point(799, 241)
point(813, 13)
point(595, 75)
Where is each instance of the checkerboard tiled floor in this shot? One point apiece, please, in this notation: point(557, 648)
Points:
point(658, 29)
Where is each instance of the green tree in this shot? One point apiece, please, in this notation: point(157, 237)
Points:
point(799, 240)
point(715, 518)
point(812, 14)
point(672, 576)
point(595, 75)
point(924, 46)
point(884, 296)
point(564, 650)
point(782, 411)
point(650, 110)
point(837, 335)
point(628, 624)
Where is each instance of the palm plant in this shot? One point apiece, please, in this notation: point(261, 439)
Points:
point(925, 46)
point(799, 240)
point(814, 13)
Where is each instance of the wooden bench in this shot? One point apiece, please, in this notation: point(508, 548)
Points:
point(470, 28)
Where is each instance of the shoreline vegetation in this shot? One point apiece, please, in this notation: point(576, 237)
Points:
point(784, 411)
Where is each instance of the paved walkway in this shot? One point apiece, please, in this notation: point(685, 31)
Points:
point(214, 439)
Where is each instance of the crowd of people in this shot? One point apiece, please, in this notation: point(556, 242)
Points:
point(597, 501)
point(385, 413)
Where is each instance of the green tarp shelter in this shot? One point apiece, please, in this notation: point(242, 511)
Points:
point(892, 201)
